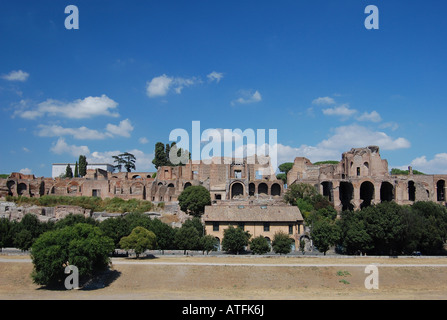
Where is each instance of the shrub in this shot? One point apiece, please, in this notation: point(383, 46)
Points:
point(259, 245)
point(81, 245)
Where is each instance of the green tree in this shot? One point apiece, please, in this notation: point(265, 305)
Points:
point(115, 229)
point(165, 234)
point(160, 157)
point(5, 233)
point(76, 172)
point(187, 238)
point(325, 233)
point(208, 243)
point(300, 190)
point(354, 238)
point(259, 245)
point(68, 172)
point(82, 165)
point(27, 231)
point(193, 200)
point(281, 243)
point(385, 225)
point(81, 245)
point(235, 239)
point(285, 167)
point(139, 240)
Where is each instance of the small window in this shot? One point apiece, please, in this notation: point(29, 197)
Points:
point(290, 228)
point(240, 207)
point(266, 227)
point(238, 174)
point(358, 171)
point(218, 197)
point(215, 226)
point(263, 207)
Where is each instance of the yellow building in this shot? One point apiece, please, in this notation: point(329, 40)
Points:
point(264, 220)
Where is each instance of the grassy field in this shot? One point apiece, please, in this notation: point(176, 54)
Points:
point(247, 278)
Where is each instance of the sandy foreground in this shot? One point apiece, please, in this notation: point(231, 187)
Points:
point(241, 278)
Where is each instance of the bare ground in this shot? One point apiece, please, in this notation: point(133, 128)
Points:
point(247, 278)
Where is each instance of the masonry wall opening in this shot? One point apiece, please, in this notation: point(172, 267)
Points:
point(276, 189)
point(411, 191)
point(237, 189)
point(327, 189)
point(366, 194)
point(386, 192)
point(346, 195)
point(263, 188)
point(440, 186)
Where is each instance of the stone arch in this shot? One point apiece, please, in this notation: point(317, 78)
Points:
point(366, 194)
point(10, 185)
point(251, 189)
point(137, 176)
point(217, 245)
point(440, 190)
point(263, 188)
point(386, 191)
point(72, 187)
point(346, 195)
point(276, 189)
point(186, 185)
point(237, 189)
point(21, 189)
point(137, 189)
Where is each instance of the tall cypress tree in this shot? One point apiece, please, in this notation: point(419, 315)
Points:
point(68, 172)
point(76, 173)
point(82, 165)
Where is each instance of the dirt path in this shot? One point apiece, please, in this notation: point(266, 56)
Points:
point(281, 278)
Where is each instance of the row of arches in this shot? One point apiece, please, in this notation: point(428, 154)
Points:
point(238, 189)
point(367, 194)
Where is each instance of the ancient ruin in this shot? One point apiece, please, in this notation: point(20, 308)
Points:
point(362, 179)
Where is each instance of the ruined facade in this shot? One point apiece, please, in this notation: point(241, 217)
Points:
point(225, 178)
point(362, 179)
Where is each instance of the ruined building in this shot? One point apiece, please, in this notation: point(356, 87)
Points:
point(362, 179)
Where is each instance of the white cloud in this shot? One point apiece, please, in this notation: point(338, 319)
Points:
point(323, 101)
point(83, 133)
point(247, 98)
point(160, 86)
point(79, 109)
point(437, 165)
point(16, 76)
point(61, 147)
point(143, 140)
point(215, 76)
point(26, 171)
point(342, 111)
point(354, 136)
point(373, 116)
point(123, 129)
point(343, 139)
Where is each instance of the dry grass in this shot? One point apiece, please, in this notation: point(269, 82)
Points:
point(192, 279)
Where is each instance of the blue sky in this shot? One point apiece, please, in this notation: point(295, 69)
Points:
point(136, 70)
